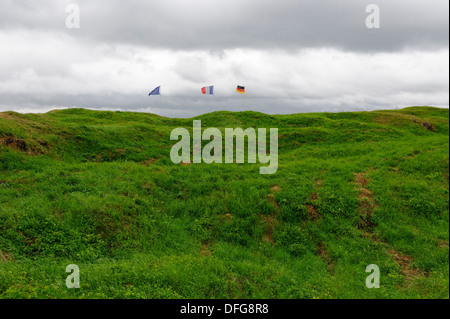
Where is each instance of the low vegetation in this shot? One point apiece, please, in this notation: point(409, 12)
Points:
point(98, 189)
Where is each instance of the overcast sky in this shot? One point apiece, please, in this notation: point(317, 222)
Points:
point(292, 56)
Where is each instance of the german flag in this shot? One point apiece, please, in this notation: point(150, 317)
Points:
point(240, 89)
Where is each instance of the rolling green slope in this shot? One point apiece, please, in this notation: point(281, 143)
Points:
point(98, 189)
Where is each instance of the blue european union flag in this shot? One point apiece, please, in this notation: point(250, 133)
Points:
point(155, 91)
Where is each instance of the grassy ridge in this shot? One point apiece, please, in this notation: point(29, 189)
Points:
point(98, 189)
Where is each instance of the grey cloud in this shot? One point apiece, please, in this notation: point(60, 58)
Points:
point(224, 24)
point(276, 81)
point(192, 68)
point(292, 56)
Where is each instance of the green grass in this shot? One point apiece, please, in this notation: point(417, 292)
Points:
point(98, 189)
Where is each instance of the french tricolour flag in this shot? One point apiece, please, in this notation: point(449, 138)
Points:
point(208, 90)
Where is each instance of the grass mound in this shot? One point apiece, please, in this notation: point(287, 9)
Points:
point(98, 189)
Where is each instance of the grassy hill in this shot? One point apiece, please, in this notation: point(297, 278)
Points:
point(98, 189)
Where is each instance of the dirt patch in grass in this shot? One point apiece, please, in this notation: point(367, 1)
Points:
point(205, 251)
point(150, 161)
point(312, 211)
point(404, 261)
point(5, 256)
point(236, 283)
point(271, 197)
point(365, 193)
point(21, 145)
point(185, 164)
point(310, 206)
point(323, 253)
point(411, 155)
point(360, 179)
point(366, 202)
point(430, 127)
point(273, 202)
point(443, 244)
point(366, 210)
point(14, 143)
point(400, 118)
point(275, 189)
point(270, 222)
point(43, 143)
point(318, 183)
point(147, 186)
point(313, 196)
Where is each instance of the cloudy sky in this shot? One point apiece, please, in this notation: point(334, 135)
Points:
point(291, 55)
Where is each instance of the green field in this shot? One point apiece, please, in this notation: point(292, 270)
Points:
point(98, 189)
